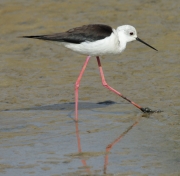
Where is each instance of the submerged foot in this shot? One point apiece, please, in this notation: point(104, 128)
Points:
point(148, 110)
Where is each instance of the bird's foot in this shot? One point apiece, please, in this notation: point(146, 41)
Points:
point(148, 110)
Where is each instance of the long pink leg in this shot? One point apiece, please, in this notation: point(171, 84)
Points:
point(77, 87)
point(113, 90)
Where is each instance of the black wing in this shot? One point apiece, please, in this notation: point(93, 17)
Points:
point(78, 35)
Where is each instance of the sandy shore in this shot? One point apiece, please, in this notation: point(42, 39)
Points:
point(37, 133)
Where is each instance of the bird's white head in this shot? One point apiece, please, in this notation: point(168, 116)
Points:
point(127, 33)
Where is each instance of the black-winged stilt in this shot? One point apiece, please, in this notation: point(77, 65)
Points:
point(96, 40)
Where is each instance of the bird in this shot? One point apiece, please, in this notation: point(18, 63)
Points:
point(96, 40)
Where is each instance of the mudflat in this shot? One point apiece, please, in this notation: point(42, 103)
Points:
point(38, 135)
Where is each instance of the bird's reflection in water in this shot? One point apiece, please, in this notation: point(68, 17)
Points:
point(108, 147)
point(80, 148)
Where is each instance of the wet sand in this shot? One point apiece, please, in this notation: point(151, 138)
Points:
point(37, 133)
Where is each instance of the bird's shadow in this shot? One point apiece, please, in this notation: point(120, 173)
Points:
point(68, 106)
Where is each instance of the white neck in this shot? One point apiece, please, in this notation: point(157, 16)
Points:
point(122, 40)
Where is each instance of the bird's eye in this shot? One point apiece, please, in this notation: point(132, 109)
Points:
point(131, 33)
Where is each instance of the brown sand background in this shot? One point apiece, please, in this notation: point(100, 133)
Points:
point(37, 133)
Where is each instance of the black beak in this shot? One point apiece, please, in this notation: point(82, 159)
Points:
point(138, 39)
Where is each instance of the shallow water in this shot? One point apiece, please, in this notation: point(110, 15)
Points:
point(37, 131)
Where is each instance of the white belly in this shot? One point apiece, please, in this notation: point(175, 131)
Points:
point(108, 45)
